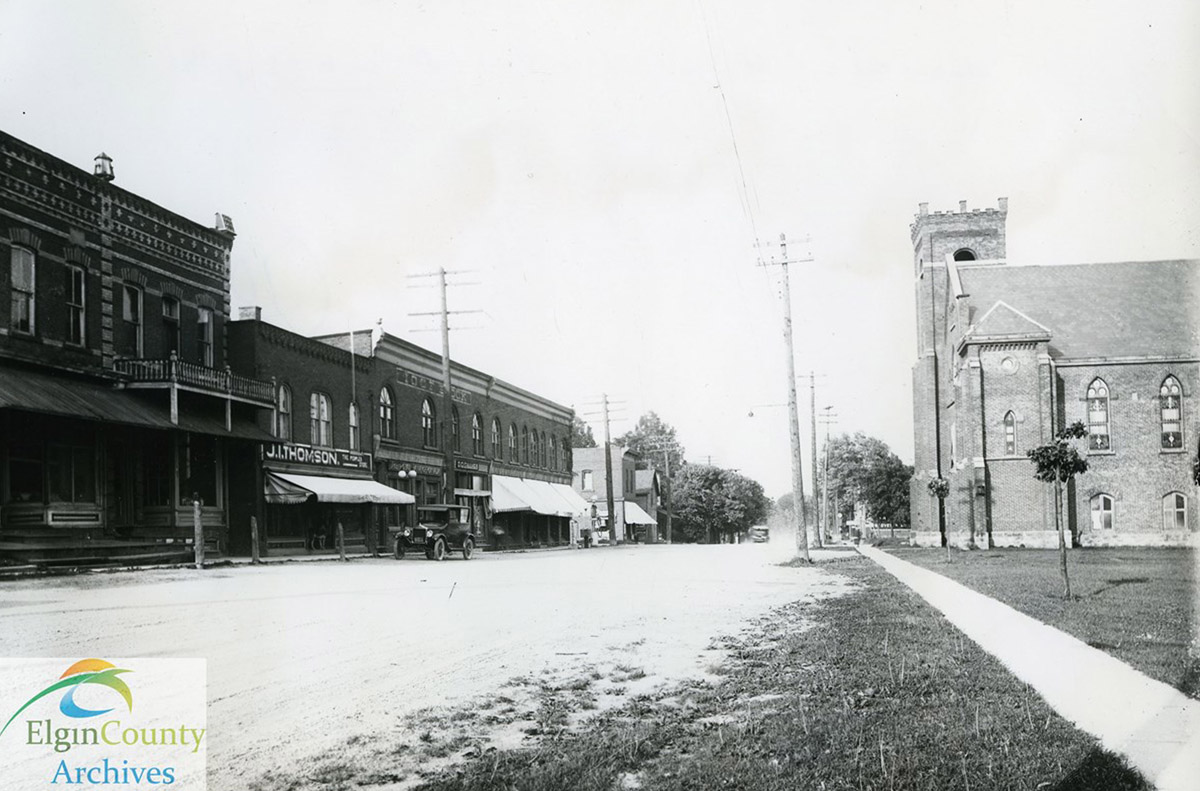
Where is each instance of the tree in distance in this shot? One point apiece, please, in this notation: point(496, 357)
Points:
point(711, 503)
point(1058, 462)
point(581, 433)
point(864, 470)
point(652, 438)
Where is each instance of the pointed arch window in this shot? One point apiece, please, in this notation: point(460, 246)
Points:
point(1170, 404)
point(497, 439)
point(387, 414)
point(1099, 437)
point(477, 434)
point(1175, 511)
point(428, 424)
point(1102, 512)
point(1010, 434)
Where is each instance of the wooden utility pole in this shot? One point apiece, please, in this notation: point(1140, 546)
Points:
point(793, 415)
point(447, 400)
point(828, 419)
point(608, 478)
point(812, 397)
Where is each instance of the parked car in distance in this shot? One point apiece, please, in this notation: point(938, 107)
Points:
point(440, 529)
point(760, 534)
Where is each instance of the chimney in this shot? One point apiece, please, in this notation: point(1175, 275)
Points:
point(252, 313)
point(923, 209)
point(224, 225)
point(1003, 204)
point(104, 167)
point(962, 206)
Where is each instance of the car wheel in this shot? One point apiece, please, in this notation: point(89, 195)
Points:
point(468, 548)
point(398, 552)
point(439, 549)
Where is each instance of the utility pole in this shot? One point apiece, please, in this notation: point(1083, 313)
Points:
point(793, 415)
point(608, 477)
point(666, 452)
point(828, 419)
point(812, 396)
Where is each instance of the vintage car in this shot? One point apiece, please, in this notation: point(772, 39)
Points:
point(439, 530)
point(760, 534)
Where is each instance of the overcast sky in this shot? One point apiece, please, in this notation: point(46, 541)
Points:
point(580, 159)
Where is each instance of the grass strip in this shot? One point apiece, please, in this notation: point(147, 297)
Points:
point(873, 690)
point(1137, 604)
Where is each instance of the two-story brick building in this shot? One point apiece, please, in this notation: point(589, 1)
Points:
point(1009, 353)
point(118, 414)
point(590, 480)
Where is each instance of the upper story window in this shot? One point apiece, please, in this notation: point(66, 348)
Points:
point(524, 444)
point(1170, 403)
point(387, 414)
point(354, 435)
point(170, 314)
point(204, 336)
point(320, 420)
point(1010, 434)
point(1098, 416)
point(497, 441)
point(24, 282)
point(454, 434)
point(553, 453)
point(76, 313)
point(964, 254)
point(512, 443)
point(131, 312)
point(428, 424)
point(1102, 512)
point(477, 434)
point(283, 414)
point(585, 481)
point(1175, 511)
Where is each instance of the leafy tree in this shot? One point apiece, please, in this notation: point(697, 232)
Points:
point(939, 488)
point(581, 434)
point(864, 470)
point(711, 502)
point(1059, 462)
point(651, 438)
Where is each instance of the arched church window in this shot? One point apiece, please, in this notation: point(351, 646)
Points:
point(1098, 416)
point(1170, 403)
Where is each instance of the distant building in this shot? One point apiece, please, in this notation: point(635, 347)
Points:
point(590, 480)
point(118, 414)
point(1007, 354)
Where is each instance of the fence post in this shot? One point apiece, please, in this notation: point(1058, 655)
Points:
point(255, 559)
point(341, 541)
point(198, 528)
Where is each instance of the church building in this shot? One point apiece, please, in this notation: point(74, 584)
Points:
point(1008, 353)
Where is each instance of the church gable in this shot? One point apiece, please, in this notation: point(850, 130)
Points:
point(1003, 321)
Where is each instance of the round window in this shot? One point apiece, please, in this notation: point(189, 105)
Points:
point(1009, 365)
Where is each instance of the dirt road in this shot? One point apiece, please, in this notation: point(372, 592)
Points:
point(304, 656)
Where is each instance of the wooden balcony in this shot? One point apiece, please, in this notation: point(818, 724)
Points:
point(175, 374)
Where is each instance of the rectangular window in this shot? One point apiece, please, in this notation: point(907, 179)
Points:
point(25, 472)
point(170, 315)
point(72, 473)
point(204, 336)
point(157, 472)
point(585, 479)
point(198, 469)
point(131, 312)
point(76, 315)
point(24, 281)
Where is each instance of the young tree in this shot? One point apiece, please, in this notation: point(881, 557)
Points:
point(1058, 462)
point(581, 434)
point(939, 488)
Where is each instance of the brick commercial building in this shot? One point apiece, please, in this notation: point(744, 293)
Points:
point(590, 481)
point(1007, 354)
point(119, 419)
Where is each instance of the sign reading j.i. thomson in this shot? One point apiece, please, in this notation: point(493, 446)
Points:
point(289, 453)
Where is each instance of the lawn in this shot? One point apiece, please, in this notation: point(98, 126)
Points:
point(872, 690)
point(1138, 604)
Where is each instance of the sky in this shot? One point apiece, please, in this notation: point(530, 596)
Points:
point(606, 177)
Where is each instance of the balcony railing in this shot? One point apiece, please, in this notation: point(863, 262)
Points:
point(212, 380)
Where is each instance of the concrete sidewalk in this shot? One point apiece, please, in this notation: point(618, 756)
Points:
point(1154, 726)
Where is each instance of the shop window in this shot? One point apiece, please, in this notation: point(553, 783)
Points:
point(71, 473)
point(1175, 511)
point(1102, 512)
point(1010, 434)
point(353, 420)
point(497, 442)
point(1170, 402)
point(204, 337)
point(131, 313)
point(428, 424)
point(320, 428)
point(454, 435)
point(512, 443)
point(157, 471)
point(25, 470)
point(198, 469)
point(76, 315)
point(283, 414)
point(387, 414)
point(24, 282)
point(1098, 416)
point(477, 434)
point(170, 316)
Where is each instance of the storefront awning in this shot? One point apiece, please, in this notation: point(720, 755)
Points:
point(575, 503)
point(550, 499)
point(521, 494)
point(290, 489)
point(634, 515)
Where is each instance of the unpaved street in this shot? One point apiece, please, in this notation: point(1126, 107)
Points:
point(303, 656)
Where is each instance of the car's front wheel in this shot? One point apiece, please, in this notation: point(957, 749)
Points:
point(439, 549)
point(468, 548)
point(398, 552)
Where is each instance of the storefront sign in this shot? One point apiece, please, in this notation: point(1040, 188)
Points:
point(471, 466)
point(309, 456)
point(421, 469)
point(431, 385)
